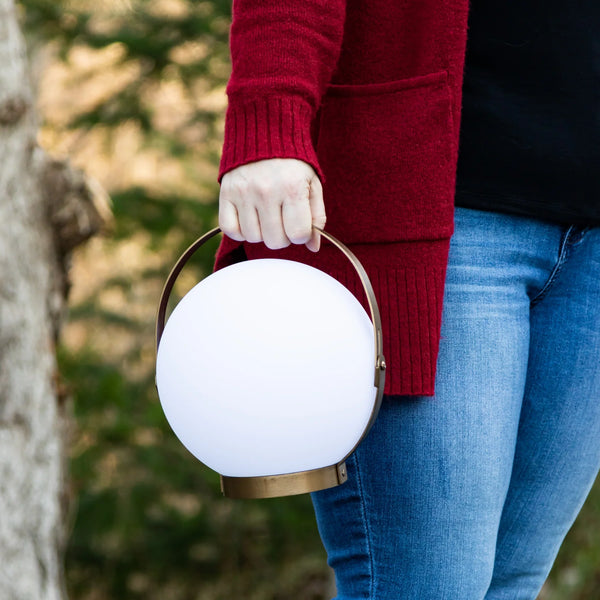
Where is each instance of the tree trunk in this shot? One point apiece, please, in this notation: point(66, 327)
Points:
point(36, 213)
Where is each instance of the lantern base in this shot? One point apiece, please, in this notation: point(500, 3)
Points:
point(288, 484)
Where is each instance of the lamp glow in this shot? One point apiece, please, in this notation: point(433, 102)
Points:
point(266, 368)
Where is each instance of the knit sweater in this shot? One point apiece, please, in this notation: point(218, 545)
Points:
point(368, 92)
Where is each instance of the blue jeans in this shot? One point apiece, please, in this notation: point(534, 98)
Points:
point(469, 494)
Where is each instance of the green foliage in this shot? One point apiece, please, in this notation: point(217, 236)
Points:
point(146, 35)
point(148, 40)
point(576, 574)
point(137, 209)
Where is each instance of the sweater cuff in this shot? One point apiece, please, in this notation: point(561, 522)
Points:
point(268, 127)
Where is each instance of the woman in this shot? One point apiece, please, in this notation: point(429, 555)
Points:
point(486, 445)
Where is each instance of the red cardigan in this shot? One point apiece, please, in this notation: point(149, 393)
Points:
point(368, 92)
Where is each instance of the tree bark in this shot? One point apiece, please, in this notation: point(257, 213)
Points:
point(41, 203)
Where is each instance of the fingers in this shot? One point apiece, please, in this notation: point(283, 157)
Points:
point(271, 222)
point(228, 219)
point(274, 200)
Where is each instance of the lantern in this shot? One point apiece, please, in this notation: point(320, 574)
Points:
point(270, 372)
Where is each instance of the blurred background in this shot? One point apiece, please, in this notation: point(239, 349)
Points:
point(133, 92)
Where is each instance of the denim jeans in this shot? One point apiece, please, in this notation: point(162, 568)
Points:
point(468, 495)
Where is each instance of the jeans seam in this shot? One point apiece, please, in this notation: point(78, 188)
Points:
point(366, 528)
point(562, 257)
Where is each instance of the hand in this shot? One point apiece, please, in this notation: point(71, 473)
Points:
point(276, 201)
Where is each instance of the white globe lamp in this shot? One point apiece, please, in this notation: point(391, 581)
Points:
point(270, 372)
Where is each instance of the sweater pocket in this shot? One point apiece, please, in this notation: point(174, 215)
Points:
point(388, 153)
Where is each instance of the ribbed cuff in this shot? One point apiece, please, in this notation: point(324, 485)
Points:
point(269, 127)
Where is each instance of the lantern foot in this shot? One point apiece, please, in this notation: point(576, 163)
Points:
point(288, 484)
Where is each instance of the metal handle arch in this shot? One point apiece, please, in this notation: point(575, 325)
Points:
point(380, 365)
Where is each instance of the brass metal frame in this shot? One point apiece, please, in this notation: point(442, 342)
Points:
point(271, 486)
point(288, 484)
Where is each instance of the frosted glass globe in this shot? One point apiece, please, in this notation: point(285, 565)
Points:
point(267, 367)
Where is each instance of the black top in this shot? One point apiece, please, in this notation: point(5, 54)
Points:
point(530, 136)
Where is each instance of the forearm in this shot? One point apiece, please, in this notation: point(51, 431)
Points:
point(283, 54)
